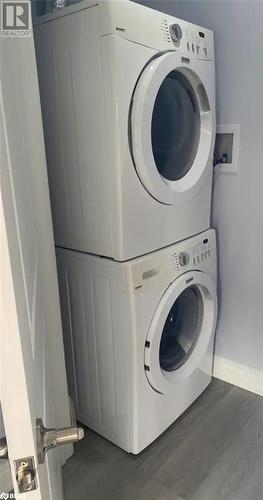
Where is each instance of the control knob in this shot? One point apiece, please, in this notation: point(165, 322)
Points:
point(183, 258)
point(176, 32)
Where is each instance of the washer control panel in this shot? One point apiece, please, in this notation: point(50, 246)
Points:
point(201, 251)
point(163, 266)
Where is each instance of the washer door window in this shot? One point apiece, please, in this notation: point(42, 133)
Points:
point(180, 331)
point(172, 126)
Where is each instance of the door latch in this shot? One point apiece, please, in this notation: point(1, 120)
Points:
point(51, 438)
point(24, 468)
point(25, 474)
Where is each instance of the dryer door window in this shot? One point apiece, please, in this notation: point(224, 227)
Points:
point(175, 127)
point(172, 126)
point(181, 332)
point(182, 329)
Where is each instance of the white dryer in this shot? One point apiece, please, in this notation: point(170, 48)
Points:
point(128, 99)
point(139, 336)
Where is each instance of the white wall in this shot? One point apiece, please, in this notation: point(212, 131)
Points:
point(238, 199)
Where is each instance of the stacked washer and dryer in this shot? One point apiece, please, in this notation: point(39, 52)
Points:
point(128, 99)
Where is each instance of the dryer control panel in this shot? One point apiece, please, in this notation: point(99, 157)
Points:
point(143, 25)
point(155, 29)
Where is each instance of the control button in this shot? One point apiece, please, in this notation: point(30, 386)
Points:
point(183, 258)
point(197, 49)
point(194, 260)
point(188, 46)
point(175, 32)
point(205, 51)
point(198, 260)
point(193, 47)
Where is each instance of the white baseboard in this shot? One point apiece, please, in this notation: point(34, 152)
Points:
point(238, 374)
point(6, 484)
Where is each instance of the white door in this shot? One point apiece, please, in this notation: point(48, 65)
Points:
point(181, 330)
point(33, 378)
point(173, 126)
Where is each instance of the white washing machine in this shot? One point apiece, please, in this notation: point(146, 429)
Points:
point(128, 99)
point(139, 336)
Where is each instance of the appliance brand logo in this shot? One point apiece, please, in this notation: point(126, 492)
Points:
point(16, 19)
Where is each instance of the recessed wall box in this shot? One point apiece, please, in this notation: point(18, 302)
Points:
point(226, 153)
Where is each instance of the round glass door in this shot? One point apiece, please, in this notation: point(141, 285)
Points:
point(172, 126)
point(175, 127)
point(181, 330)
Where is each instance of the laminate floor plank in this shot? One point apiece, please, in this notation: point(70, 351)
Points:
point(238, 473)
point(192, 460)
point(189, 464)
